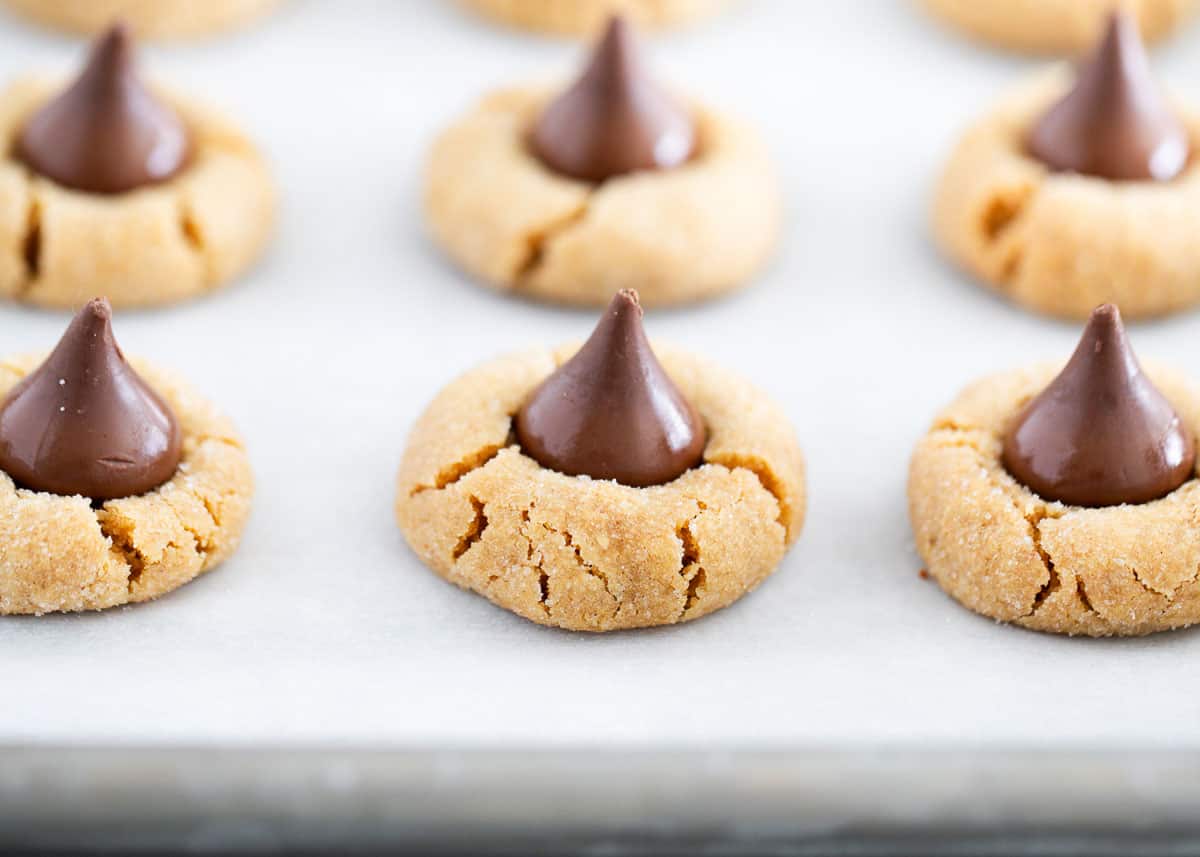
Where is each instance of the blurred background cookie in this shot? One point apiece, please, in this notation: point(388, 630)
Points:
point(1076, 192)
point(1055, 26)
point(151, 19)
point(586, 17)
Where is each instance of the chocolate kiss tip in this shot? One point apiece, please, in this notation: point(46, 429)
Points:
point(611, 411)
point(1101, 434)
point(106, 133)
point(99, 308)
point(85, 423)
point(1114, 123)
point(614, 119)
point(628, 297)
point(117, 36)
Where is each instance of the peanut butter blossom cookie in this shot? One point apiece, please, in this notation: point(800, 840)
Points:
point(1077, 193)
point(584, 17)
point(612, 183)
point(1055, 26)
point(595, 488)
point(158, 19)
point(106, 185)
point(117, 483)
point(1067, 501)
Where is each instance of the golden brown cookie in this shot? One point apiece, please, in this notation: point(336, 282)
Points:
point(152, 19)
point(1061, 243)
point(156, 245)
point(61, 554)
point(678, 235)
point(1054, 26)
point(585, 17)
point(1002, 551)
point(594, 555)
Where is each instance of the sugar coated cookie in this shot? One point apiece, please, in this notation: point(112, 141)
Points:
point(567, 197)
point(117, 482)
point(596, 489)
point(1067, 501)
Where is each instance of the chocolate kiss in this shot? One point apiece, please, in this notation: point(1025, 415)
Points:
point(85, 423)
point(1101, 434)
point(1115, 123)
point(106, 133)
point(611, 412)
point(614, 119)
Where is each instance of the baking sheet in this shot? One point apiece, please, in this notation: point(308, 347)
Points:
point(325, 630)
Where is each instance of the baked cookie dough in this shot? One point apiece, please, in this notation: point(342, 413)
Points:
point(585, 17)
point(152, 19)
point(1055, 26)
point(62, 553)
point(592, 555)
point(1000, 550)
point(1061, 243)
point(678, 235)
point(156, 245)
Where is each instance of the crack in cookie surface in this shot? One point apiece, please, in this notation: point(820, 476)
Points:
point(452, 473)
point(1054, 581)
point(31, 244)
point(539, 242)
point(765, 475)
point(690, 568)
point(474, 531)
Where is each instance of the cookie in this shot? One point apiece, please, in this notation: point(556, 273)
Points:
point(1054, 26)
point(677, 233)
point(1033, 559)
point(152, 19)
point(69, 552)
point(596, 554)
point(585, 17)
point(1056, 239)
point(173, 238)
